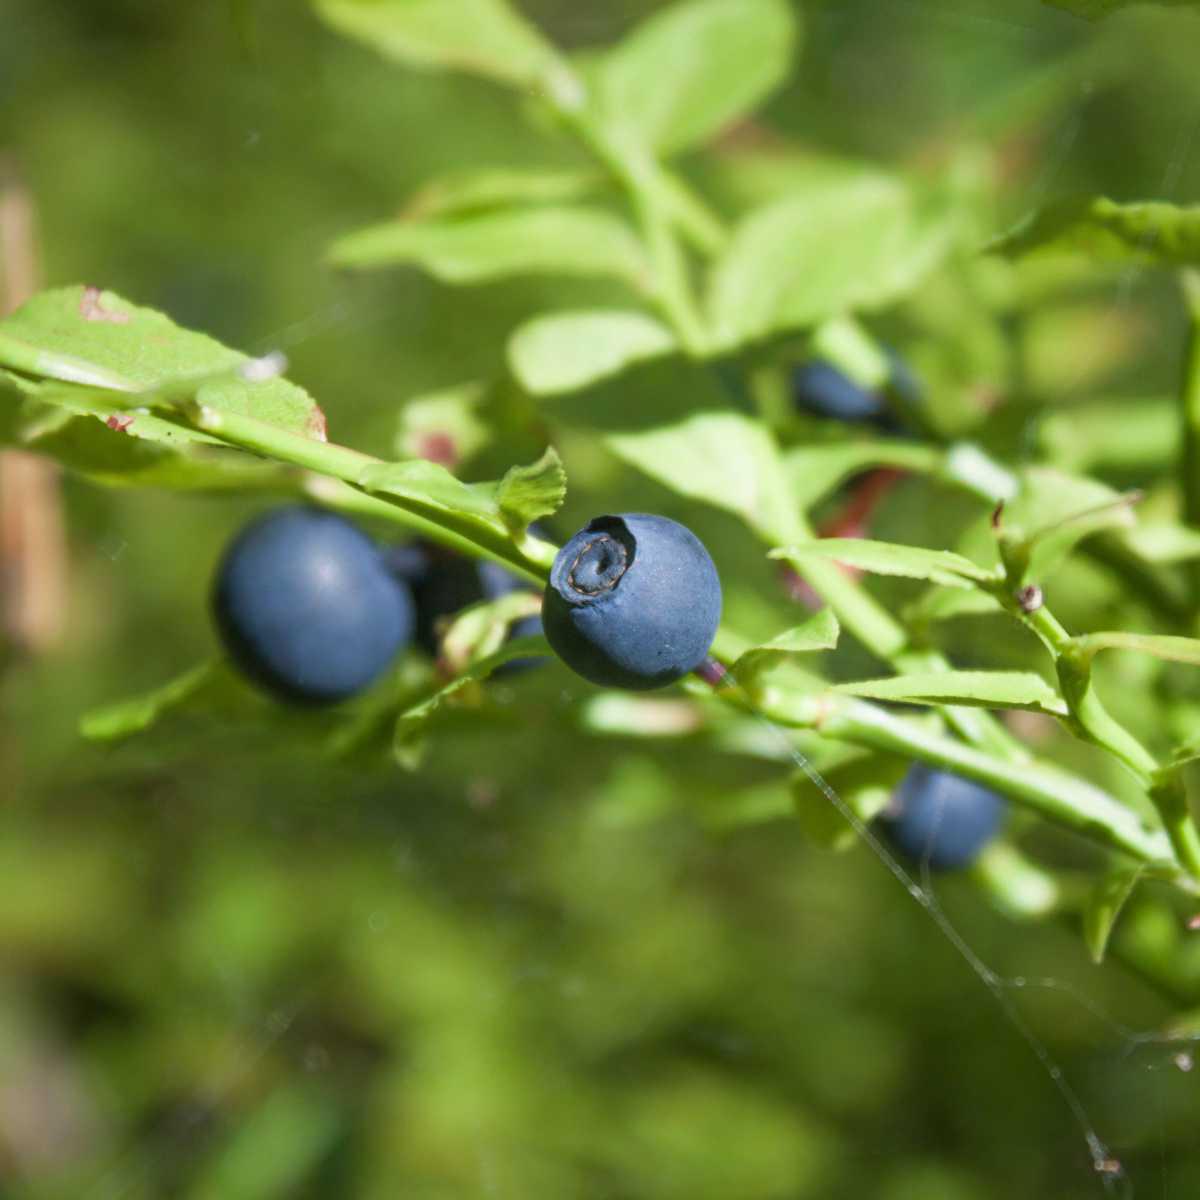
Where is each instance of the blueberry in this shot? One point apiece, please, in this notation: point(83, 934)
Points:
point(941, 818)
point(633, 601)
point(307, 608)
point(443, 583)
point(820, 389)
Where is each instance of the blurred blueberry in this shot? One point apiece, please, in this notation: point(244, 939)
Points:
point(307, 608)
point(820, 389)
point(941, 818)
point(443, 583)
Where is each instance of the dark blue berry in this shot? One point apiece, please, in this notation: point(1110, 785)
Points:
point(307, 608)
point(444, 583)
point(941, 818)
point(633, 601)
point(820, 389)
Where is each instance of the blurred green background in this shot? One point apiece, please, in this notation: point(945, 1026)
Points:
point(544, 965)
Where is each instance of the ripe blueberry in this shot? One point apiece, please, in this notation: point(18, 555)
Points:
point(633, 601)
point(307, 608)
point(821, 389)
point(941, 818)
point(443, 583)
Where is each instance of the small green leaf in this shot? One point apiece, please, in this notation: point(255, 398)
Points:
point(944, 604)
point(103, 337)
point(497, 245)
point(885, 558)
point(622, 714)
point(483, 37)
point(688, 71)
point(1151, 231)
point(480, 630)
point(1104, 905)
point(431, 484)
point(814, 471)
point(123, 718)
point(722, 458)
point(1019, 887)
point(1093, 10)
point(858, 243)
point(563, 352)
point(968, 466)
point(819, 632)
point(1130, 434)
point(478, 189)
point(413, 724)
point(1163, 543)
point(526, 494)
point(274, 1148)
point(1053, 512)
point(123, 449)
point(1165, 646)
point(980, 689)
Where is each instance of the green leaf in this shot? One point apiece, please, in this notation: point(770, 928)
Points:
point(273, 1149)
point(1130, 434)
point(1165, 646)
point(82, 335)
point(1053, 512)
point(1104, 905)
point(480, 629)
point(623, 714)
point(478, 189)
point(123, 718)
point(980, 689)
point(431, 484)
point(1017, 886)
point(497, 245)
point(814, 471)
point(722, 458)
point(1150, 231)
point(122, 449)
point(483, 37)
point(860, 242)
point(885, 558)
point(413, 724)
point(526, 494)
point(563, 352)
point(1093, 10)
point(943, 604)
point(819, 632)
point(691, 69)
point(1163, 543)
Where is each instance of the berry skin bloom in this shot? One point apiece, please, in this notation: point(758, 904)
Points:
point(942, 819)
point(633, 601)
point(307, 608)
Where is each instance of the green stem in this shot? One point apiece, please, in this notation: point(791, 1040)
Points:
point(1054, 794)
point(1189, 411)
point(1088, 716)
point(349, 466)
point(1170, 798)
point(656, 200)
point(672, 288)
point(886, 638)
point(696, 222)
